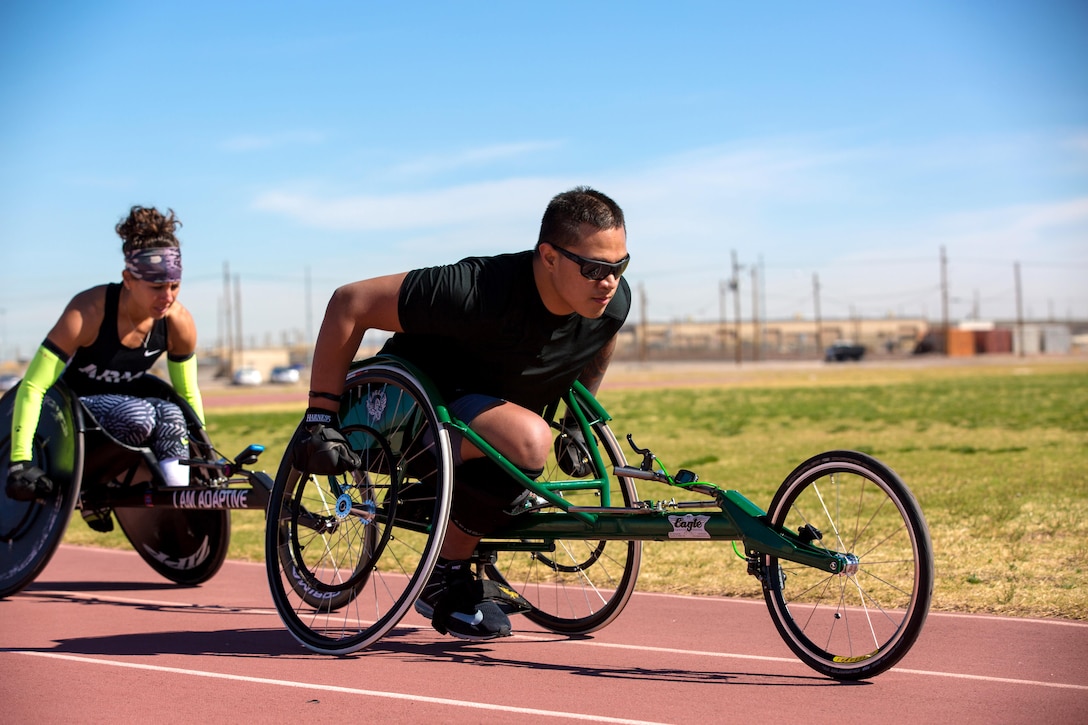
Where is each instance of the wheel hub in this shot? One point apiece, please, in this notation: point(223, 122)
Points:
point(851, 566)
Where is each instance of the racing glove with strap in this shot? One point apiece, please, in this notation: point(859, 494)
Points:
point(320, 447)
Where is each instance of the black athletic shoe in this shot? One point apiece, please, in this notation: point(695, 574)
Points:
point(457, 604)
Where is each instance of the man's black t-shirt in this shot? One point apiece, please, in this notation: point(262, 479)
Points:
point(479, 326)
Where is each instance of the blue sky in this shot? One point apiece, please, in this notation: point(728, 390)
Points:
point(333, 141)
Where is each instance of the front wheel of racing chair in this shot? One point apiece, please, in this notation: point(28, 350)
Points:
point(859, 622)
point(575, 586)
point(347, 555)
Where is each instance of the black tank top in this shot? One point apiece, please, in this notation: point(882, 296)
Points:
point(105, 366)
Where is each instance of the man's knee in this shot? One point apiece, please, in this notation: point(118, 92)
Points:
point(524, 438)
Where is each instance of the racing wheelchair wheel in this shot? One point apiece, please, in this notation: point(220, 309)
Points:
point(184, 545)
point(858, 623)
point(31, 531)
point(347, 555)
point(575, 586)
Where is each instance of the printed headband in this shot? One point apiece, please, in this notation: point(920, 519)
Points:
point(156, 265)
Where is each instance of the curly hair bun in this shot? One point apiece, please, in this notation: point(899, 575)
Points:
point(146, 227)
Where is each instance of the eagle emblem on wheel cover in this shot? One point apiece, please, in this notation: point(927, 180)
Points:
point(376, 403)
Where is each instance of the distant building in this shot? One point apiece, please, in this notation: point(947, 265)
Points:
point(772, 339)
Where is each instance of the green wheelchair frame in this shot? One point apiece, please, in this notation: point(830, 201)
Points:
point(843, 553)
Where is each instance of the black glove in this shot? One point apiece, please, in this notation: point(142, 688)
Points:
point(571, 452)
point(320, 447)
point(27, 482)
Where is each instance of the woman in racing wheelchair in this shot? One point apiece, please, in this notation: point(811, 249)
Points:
point(107, 337)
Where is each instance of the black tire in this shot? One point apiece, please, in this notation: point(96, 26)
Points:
point(186, 546)
point(348, 555)
point(31, 531)
point(576, 586)
point(859, 623)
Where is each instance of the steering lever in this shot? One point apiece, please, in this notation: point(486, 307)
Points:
point(647, 455)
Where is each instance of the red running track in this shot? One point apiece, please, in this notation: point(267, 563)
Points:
point(101, 638)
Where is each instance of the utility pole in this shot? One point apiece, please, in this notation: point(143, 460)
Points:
point(819, 322)
point(723, 292)
point(228, 337)
point(762, 306)
point(756, 336)
point(734, 284)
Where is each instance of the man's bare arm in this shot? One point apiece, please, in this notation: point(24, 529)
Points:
point(352, 310)
point(593, 373)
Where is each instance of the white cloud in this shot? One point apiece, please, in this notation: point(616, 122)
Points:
point(257, 142)
point(473, 157)
point(870, 220)
point(483, 204)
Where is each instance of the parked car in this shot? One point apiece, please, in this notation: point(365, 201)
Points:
point(842, 350)
point(7, 382)
point(287, 375)
point(248, 376)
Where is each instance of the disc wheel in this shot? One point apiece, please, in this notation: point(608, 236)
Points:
point(857, 623)
point(347, 555)
point(575, 586)
point(186, 546)
point(31, 530)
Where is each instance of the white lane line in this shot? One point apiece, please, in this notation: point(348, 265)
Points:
point(994, 618)
point(791, 660)
point(163, 603)
point(641, 648)
point(986, 678)
point(343, 690)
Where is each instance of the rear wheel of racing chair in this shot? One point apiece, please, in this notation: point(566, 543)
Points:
point(347, 555)
point(859, 622)
point(575, 586)
point(30, 531)
point(185, 546)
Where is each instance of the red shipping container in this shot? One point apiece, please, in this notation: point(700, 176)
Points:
point(993, 342)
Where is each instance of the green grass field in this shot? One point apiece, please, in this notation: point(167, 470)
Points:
point(997, 455)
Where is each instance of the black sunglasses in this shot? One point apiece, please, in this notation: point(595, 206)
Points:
point(595, 269)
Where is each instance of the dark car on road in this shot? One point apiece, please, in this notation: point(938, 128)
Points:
point(844, 350)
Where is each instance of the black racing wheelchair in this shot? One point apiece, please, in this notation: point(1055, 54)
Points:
point(183, 533)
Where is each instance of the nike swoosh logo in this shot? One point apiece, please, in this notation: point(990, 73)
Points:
point(149, 353)
point(468, 619)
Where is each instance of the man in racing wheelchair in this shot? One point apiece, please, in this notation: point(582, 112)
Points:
point(502, 337)
point(107, 338)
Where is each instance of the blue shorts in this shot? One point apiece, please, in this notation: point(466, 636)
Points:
point(465, 409)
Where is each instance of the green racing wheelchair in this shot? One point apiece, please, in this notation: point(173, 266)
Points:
point(842, 553)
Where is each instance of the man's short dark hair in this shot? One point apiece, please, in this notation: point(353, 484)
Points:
point(567, 212)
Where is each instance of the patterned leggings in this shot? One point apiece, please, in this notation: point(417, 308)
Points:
point(157, 424)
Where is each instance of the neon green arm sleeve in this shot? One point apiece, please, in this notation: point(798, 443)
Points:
point(183, 377)
point(44, 370)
